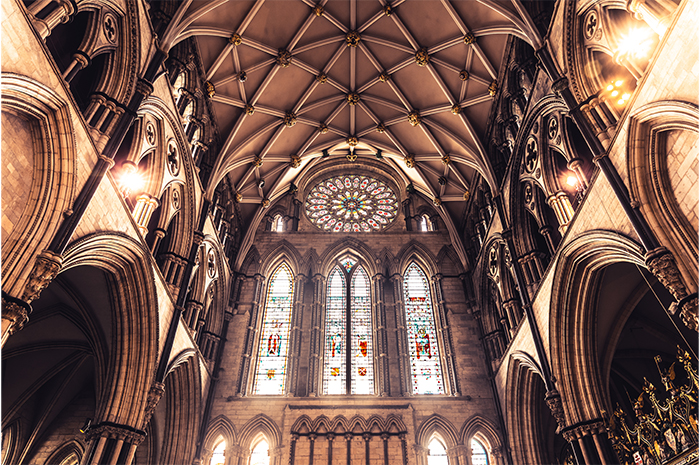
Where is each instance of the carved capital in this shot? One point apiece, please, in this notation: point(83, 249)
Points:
point(560, 84)
point(553, 399)
point(144, 88)
point(154, 396)
point(46, 267)
point(662, 264)
point(16, 312)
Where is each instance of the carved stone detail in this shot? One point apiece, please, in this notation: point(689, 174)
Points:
point(46, 267)
point(154, 396)
point(422, 57)
point(663, 265)
point(249, 109)
point(469, 38)
point(352, 39)
point(553, 399)
point(414, 118)
point(410, 160)
point(290, 119)
point(296, 161)
point(318, 10)
point(353, 98)
point(464, 75)
point(235, 39)
point(209, 89)
point(284, 58)
point(493, 88)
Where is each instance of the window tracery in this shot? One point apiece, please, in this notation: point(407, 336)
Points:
point(479, 455)
point(348, 317)
point(271, 372)
point(352, 204)
point(437, 453)
point(426, 373)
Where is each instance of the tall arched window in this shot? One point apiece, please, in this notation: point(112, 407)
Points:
point(260, 455)
point(423, 348)
point(271, 372)
point(479, 455)
point(437, 453)
point(348, 317)
point(218, 456)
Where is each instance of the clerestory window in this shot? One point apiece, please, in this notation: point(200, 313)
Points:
point(271, 371)
point(348, 363)
point(423, 347)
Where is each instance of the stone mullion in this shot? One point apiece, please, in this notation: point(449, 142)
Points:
point(381, 340)
point(295, 337)
point(444, 328)
point(316, 334)
point(250, 336)
point(401, 335)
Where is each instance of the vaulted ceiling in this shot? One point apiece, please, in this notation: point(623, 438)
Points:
point(413, 79)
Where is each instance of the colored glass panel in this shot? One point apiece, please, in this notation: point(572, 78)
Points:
point(362, 370)
point(334, 363)
point(479, 455)
point(271, 372)
point(426, 374)
point(351, 204)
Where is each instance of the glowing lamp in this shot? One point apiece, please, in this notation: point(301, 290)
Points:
point(131, 180)
point(572, 181)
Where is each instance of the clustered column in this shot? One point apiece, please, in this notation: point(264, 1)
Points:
point(250, 335)
point(295, 336)
point(316, 334)
point(401, 335)
point(444, 328)
point(110, 443)
point(381, 339)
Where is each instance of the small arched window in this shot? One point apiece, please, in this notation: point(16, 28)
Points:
point(479, 455)
point(437, 453)
point(189, 109)
point(218, 457)
point(271, 372)
point(423, 348)
point(179, 83)
point(424, 223)
point(277, 224)
point(260, 455)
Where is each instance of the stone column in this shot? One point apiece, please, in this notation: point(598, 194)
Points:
point(656, 13)
point(348, 446)
point(444, 328)
point(80, 61)
point(381, 340)
point(295, 336)
point(316, 335)
point(144, 208)
point(563, 210)
point(293, 448)
point(251, 336)
point(330, 438)
point(401, 335)
point(61, 14)
point(312, 440)
point(111, 443)
point(367, 437)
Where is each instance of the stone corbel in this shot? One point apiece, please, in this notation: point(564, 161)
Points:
point(663, 266)
point(15, 313)
point(154, 396)
point(553, 399)
point(46, 267)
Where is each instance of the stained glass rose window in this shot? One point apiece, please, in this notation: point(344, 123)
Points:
point(351, 204)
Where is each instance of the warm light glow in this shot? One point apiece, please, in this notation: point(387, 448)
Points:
point(610, 87)
point(618, 83)
point(620, 102)
point(636, 44)
point(625, 96)
point(615, 93)
point(572, 181)
point(131, 181)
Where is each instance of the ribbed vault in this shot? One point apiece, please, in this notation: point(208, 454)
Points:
point(295, 82)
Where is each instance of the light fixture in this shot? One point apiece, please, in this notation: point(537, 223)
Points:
point(324, 153)
point(86, 427)
point(572, 181)
point(635, 44)
point(130, 180)
point(261, 183)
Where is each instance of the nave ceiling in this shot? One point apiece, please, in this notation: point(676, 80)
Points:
point(293, 79)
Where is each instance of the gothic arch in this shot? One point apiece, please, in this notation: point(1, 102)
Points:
point(525, 389)
point(47, 117)
point(650, 178)
point(65, 450)
point(573, 309)
point(135, 332)
point(219, 427)
point(284, 252)
point(414, 251)
point(351, 246)
point(260, 424)
point(183, 395)
point(480, 428)
point(437, 424)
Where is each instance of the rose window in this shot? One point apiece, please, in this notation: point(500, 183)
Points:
point(351, 204)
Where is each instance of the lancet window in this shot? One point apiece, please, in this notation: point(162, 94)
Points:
point(271, 371)
point(423, 347)
point(348, 364)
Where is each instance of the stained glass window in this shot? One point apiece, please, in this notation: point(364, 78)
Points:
point(334, 362)
point(479, 455)
point(351, 204)
point(426, 374)
point(361, 324)
point(354, 304)
point(271, 372)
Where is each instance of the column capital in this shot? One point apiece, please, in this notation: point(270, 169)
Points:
point(46, 267)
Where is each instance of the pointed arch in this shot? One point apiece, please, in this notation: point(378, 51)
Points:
point(135, 326)
point(414, 251)
point(283, 252)
point(65, 450)
point(260, 424)
point(572, 313)
point(219, 427)
point(484, 431)
point(437, 424)
point(348, 245)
